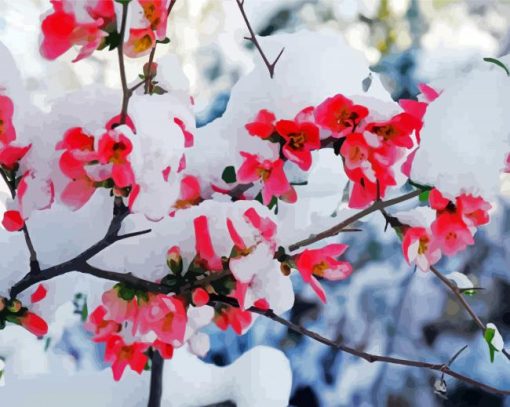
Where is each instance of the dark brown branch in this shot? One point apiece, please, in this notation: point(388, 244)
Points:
point(156, 389)
point(458, 293)
point(78, 263)
point(376, 206)
point(253, 39)
point(126, 92)
point(11, 184)
point(369, 357)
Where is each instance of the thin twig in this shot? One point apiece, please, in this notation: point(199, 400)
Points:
point(253, 39)
point(126, 92)
point(369, 357)
point(376, 206)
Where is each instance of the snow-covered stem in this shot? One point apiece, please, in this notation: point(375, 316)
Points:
point(79, 263)
point(369, 357)
point(253, 39)
point(156, 389)
point(376, 206)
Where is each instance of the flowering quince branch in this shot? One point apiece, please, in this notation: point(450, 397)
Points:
point(126, 92)
point(376, 206)
point(369, 357)
point(253, 39)
point(79, 263)
point(156, 386)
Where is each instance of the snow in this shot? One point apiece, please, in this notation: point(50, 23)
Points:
point(465, 137)
point(260, 377)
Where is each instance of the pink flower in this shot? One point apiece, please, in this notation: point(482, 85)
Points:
point(263, 125)
point(420, 248)
point(300, 140)
point(13, 221)
point(114, 148)
point(61, 30)
point(119, 309)
point(165, 316)
point(203, 244)
point(270, 173)
point(165, 349)
point(313, 263)
point(140, 42)
point(34, 324)
point(265, 226)
point(101, 328)
point(451, 233)
point(121, 355)
point(338, 114)
point(474, 210)
point(7, 131)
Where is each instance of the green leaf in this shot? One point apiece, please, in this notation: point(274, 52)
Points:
point(489, 336)
point(165, 40)
point(47, 344)
point(84, 312)
point(126, 293)
point(158, 90)
point(424, 196)
point(498, 63)
point(123, 1)
point(229, 174)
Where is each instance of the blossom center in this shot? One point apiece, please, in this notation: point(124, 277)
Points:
point(319, 268)
point(297, 140)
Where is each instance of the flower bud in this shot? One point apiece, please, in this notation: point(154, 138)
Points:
point(285, 269)
point(200, 297)
point(174, 260)
point(14, 306)
point(34, 324)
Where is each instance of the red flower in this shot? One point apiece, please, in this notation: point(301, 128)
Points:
point(190, 192)
point(61, 30)
point(263, 125)
point(7, 131)
point(140, 42)
point(13, 221)
point(397, 130)
point(313, 263)
point(165, 350)
point(200, 297)
point(121, 355)
point(437, 201)
point(114, 148)
point(156, 14)
point(34, 324)
point(300, 139)
point(265, 226)
point(474, 210)
point(11, 155)
point(101, 328)
point(420, 248)
point(237, 318)
point(270, 173)
point(338, 113)
point(451, 233)
point(203, 244)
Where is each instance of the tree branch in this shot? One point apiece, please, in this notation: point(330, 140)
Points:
point(369, 357)
point(156, 389)
point(126, 92)
point(376, 206)
point(458, 293)
point(253, 39)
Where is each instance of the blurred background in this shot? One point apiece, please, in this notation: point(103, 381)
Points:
point(385, 307)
